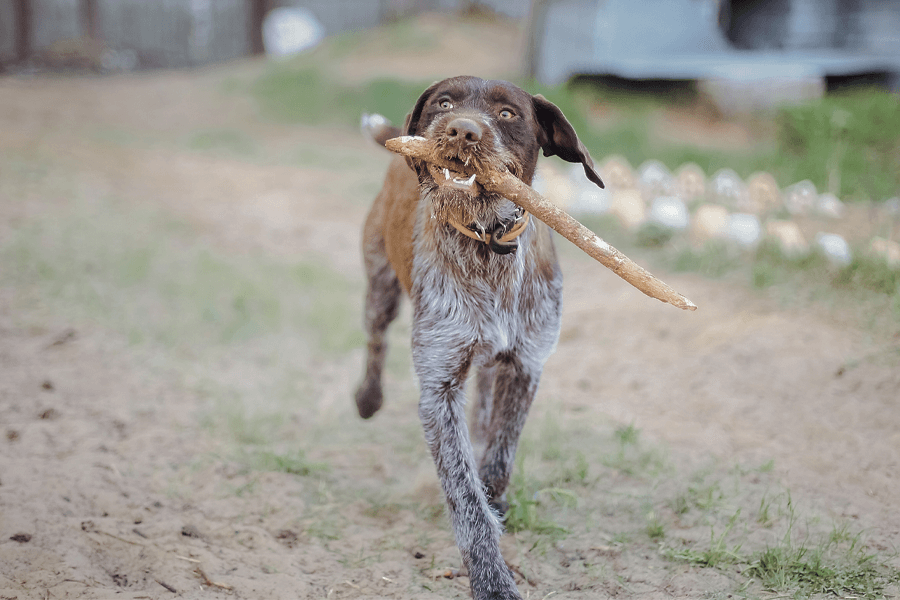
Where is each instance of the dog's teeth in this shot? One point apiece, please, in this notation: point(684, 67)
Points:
point(471, 179)
point(447, 173)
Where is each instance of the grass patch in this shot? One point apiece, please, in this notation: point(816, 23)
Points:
point(848, 144)
point(141, 274)
point(718, 553)
point(530, 502)
point(838, 564)
point(294, 462)
point(296, 92)
point(631, 457)
point(227, 141)
point(801, 564)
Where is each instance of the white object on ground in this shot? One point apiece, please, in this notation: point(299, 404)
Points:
point(788, 236)
point(801, 198)
point(710, 222)
point(763, 193)
point(655, 179)
point(616, 173)
point(287, 31)
point(828, 205)
point(836, 248)
point(670, 212)
point(690, 182)
point(744, 229)
point(889, 250)
point(727, 189)
point(629, 207)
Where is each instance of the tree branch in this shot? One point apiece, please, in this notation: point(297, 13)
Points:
point(509, 186)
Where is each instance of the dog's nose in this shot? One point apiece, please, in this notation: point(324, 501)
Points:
point(464, 131)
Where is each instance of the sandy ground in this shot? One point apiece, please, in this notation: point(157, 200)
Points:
point(116, 481)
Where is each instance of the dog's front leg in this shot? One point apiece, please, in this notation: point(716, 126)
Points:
point(441, 365)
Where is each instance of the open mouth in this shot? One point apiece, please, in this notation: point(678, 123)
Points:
point(445, 177)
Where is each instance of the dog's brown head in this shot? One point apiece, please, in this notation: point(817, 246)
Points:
point(491, 124)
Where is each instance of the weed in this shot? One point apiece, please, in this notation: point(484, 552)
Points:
point(655, 528)
point(630, 458)
point(718, 553)
point(825, 568)
point(627, 435)
point(294, 463)
point(526, 500)
point(845, 143)
point(763, 516)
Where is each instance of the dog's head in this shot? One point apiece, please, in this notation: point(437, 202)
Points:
point(491, 124)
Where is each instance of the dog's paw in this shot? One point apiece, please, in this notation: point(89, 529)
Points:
point(368, 400)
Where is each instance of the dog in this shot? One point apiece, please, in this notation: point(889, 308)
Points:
point(486, 292)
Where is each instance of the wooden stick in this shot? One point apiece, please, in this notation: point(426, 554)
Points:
point(511, 187)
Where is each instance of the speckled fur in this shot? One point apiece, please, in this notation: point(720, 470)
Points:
point(471, 307)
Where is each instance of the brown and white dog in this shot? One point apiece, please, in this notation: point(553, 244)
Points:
point(482, 296)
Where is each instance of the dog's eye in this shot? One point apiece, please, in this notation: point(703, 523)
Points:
point(507, 114)
point(446, 104)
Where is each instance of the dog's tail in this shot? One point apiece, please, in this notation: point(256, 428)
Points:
point(378, 128)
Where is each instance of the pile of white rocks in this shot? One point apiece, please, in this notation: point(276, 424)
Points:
point(722, 207)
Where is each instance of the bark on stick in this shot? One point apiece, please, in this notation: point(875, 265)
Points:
point(509, 186)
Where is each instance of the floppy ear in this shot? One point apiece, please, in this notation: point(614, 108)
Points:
point(412, 119)
point(557, 136)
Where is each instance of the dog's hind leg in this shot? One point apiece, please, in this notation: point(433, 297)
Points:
point(484, 401)
point(382, 303)
point(514, 389)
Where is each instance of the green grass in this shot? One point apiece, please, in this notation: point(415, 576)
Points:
point(294, 462)
point(718, 552)
point(846, 143)
point(143, 275)
point(297, 92)
point(226, 141)
point(799, 564)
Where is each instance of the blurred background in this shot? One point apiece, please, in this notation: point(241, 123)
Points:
point(182, 187)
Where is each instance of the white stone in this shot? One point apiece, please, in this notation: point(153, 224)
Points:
point(590, 200)
point(710, 222)
point(727, 189)
point(629, 207)
point(690, 182)
point(763, 193)
point(889, 250)
point(655, 179)
point(287, 31)
point(616, 173)
point(835, 248)
point(670, 212)
point(744, 229)
point(829, 206)
point(801, 198)
point(788, 236)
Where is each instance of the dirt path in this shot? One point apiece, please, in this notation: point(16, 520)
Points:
point(140, 445)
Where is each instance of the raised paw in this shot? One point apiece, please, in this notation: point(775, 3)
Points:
point(368, 399)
